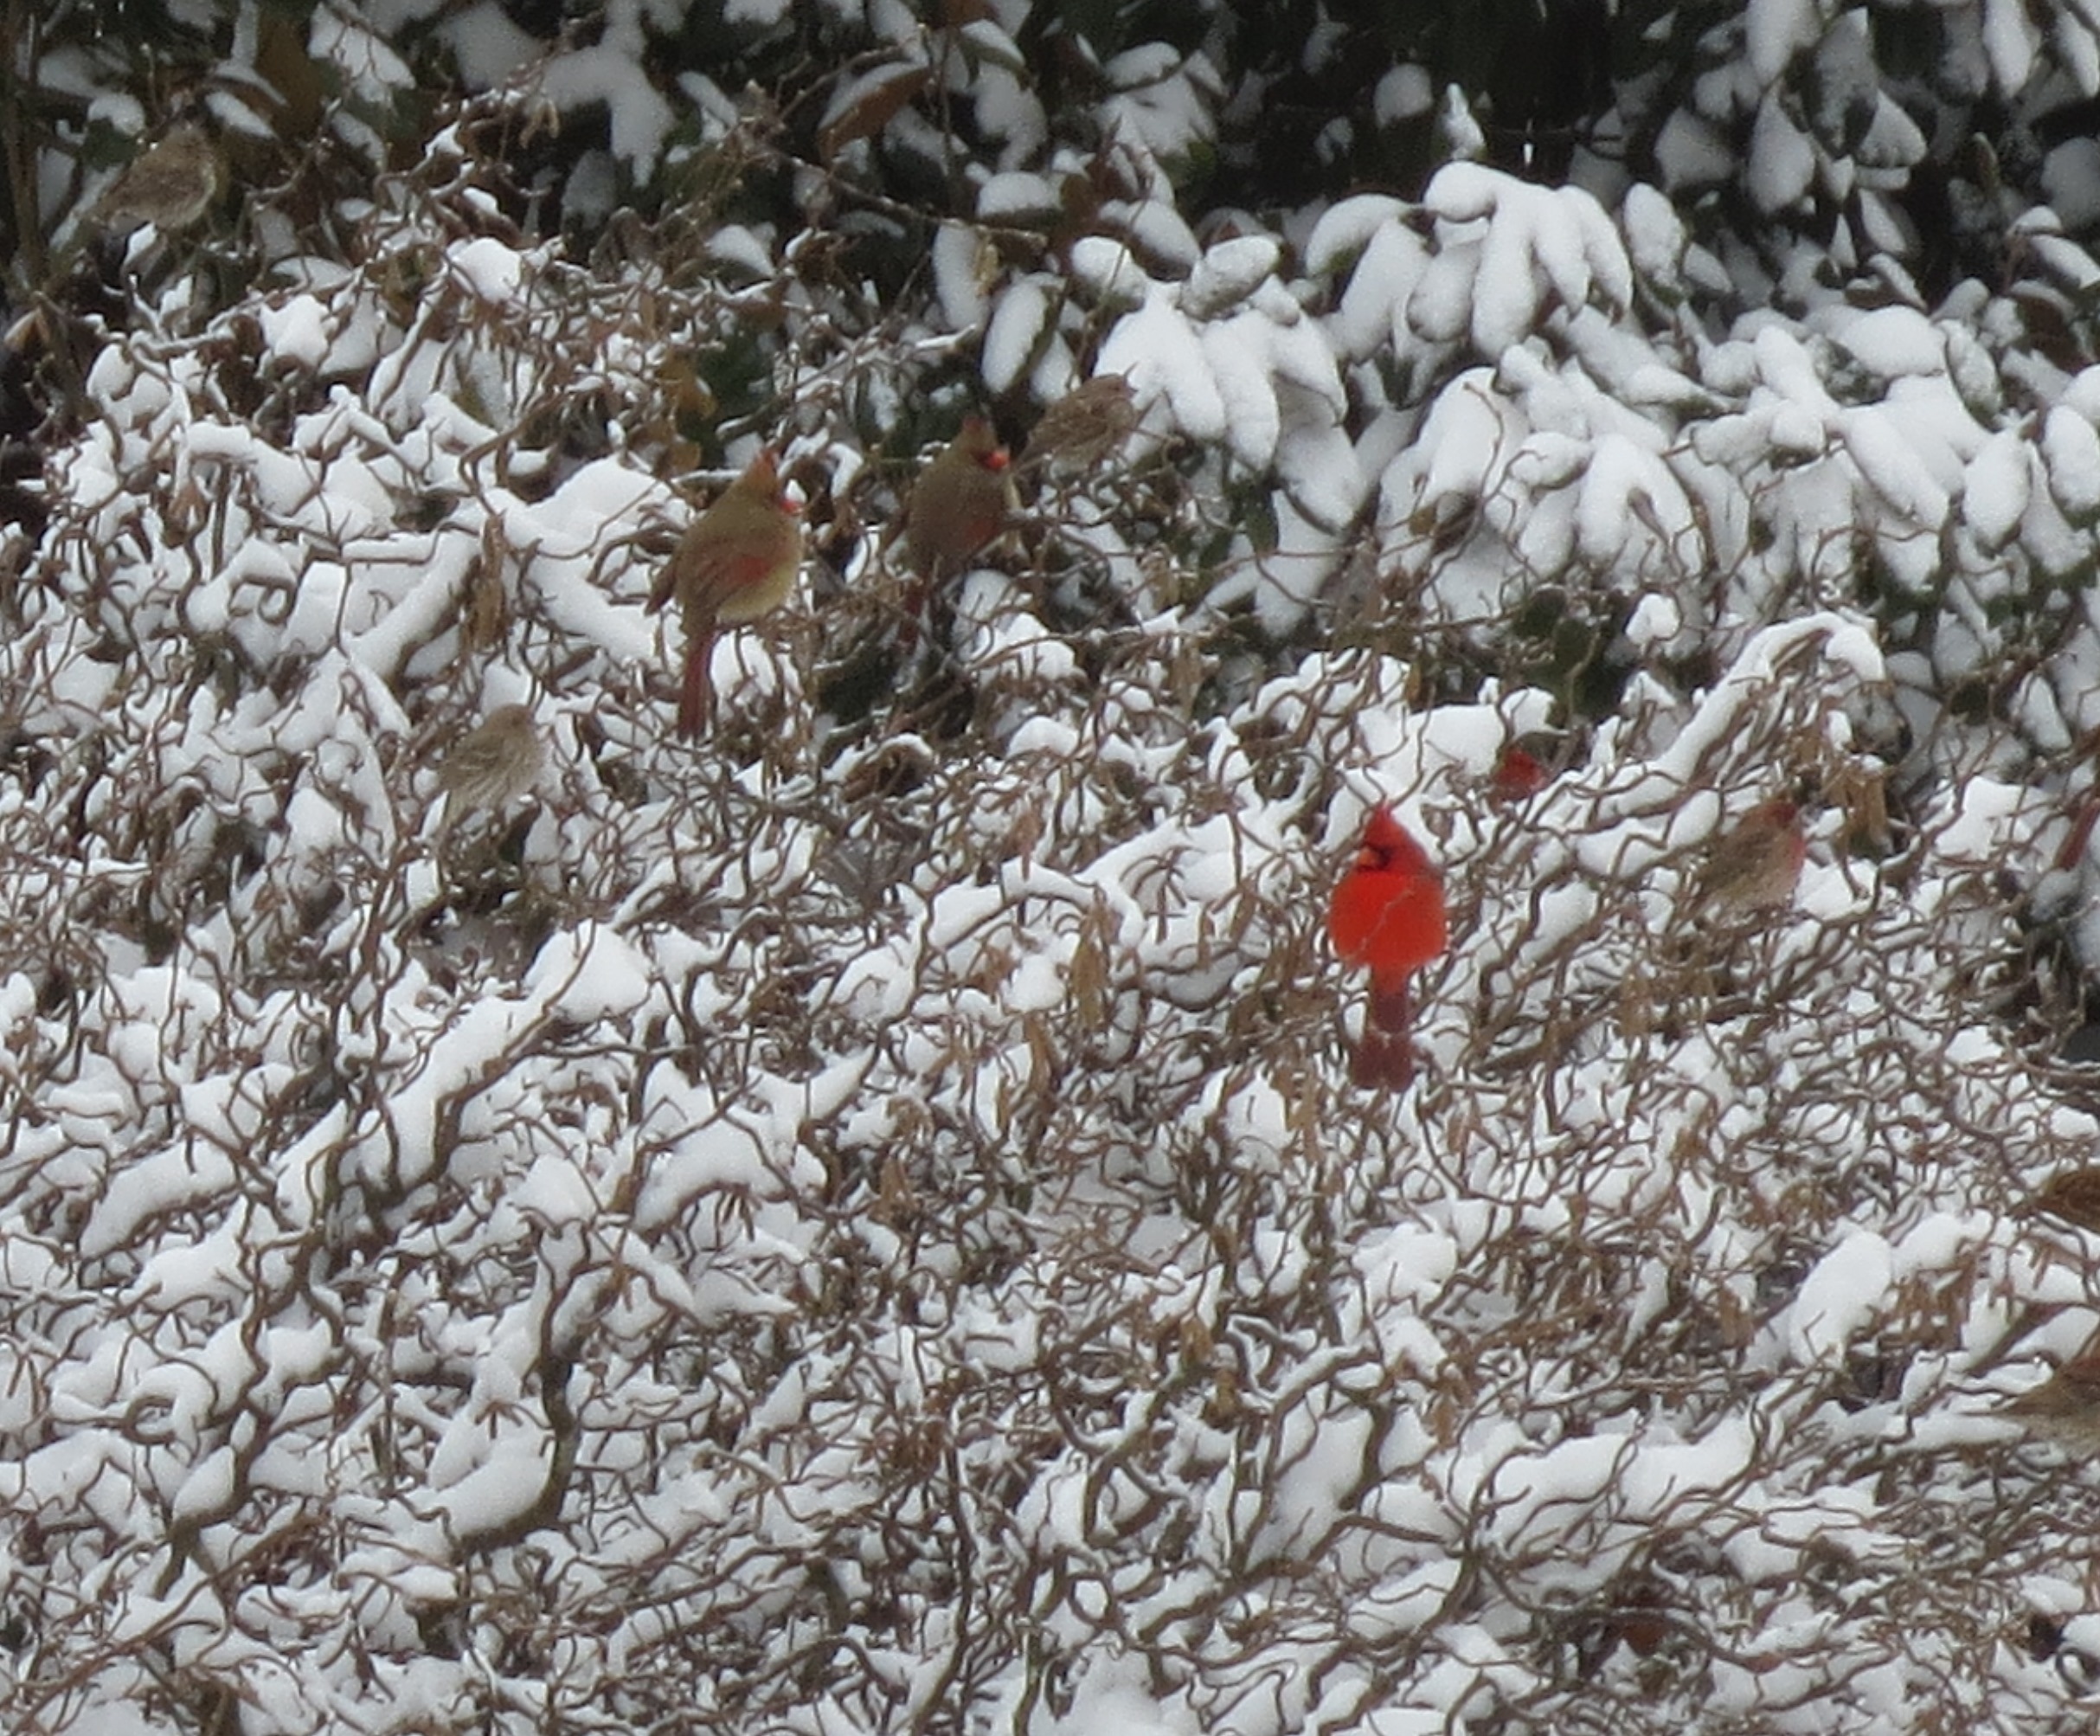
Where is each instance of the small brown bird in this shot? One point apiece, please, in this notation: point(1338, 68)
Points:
point(492, 764)
point(2065, 1409)
point(2071, 1197)
point(735, 562)
point(1085, 425)
point(171, 184)
point(1756, 864)
point(960, 503)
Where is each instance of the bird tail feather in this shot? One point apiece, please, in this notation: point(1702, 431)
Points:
point(1382, 1062)
point(692, 691)
point(1385, 1059)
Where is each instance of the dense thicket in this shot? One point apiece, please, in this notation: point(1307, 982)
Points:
point(861, 1222)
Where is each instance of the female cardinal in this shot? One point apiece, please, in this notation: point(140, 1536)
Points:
point(737, 562)
point(960, 502)
point(1756, 864)
point(1387, 915)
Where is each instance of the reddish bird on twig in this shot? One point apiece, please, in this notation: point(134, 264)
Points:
point(737, 563)
point(1756, 864)
point(962, 499)
point(1387, 915)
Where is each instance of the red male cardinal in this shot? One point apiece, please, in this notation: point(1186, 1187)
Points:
point(1387, 915)
point(737, 562)
point(1518, 774)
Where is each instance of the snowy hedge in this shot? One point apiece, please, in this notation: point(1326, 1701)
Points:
point(861, 1223)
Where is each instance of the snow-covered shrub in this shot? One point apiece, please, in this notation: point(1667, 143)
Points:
point(860, 1222)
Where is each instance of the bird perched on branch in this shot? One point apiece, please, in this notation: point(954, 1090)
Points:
point(961, 501)
point(2064, 1409)
point(1387, 915)
point(1083, 427)
point(171, 184)
point(735, 562)
point(492, 764)
point(1518, 775)
point(1756, 864)
point(2070, 1195)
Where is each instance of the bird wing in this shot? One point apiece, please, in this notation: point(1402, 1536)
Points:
point(742, 575)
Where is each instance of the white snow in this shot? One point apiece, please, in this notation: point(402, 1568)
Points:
point(2071, 454)
point(1781, 160)
point(908, 1130)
